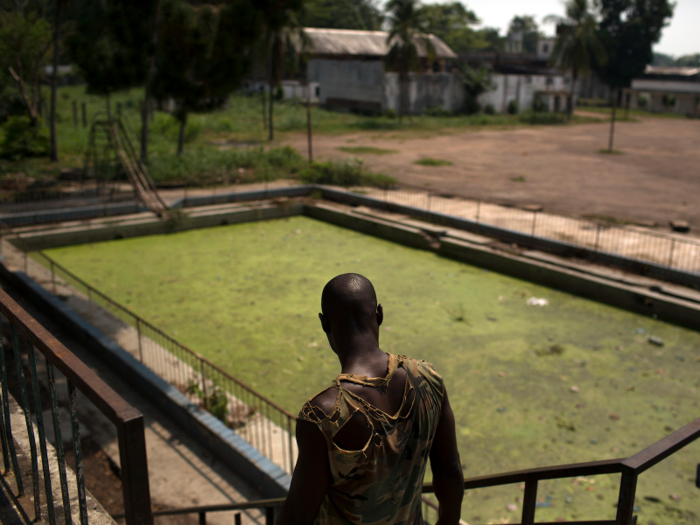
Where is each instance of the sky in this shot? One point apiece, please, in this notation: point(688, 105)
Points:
point(680, 37)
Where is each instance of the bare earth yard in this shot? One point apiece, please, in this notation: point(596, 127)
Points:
point(655, 179)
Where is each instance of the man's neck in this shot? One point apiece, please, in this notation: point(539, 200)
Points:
point(362, 356)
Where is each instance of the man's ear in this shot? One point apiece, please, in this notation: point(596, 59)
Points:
point(380, 315)
point(324, 322)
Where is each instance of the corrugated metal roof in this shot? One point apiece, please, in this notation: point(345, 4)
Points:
point(364, 43)
point(683, 71)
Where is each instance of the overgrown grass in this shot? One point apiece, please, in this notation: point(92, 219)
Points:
point(240, 122)
point(430, 161)
point(620, 113)
point(366, 150)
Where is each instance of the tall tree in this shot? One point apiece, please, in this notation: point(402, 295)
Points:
point(105, 45)
point(407, 31)
point(577, 46)
point(25, 44)
point(452, 22)
point(202, 54)
point(628, 29)
point(688, 61)
point(494, 41)
point(282, 40)
point(527, 25)
point(342, 14)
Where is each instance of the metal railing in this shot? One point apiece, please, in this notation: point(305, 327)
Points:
point(630, 468)
point(261, 422)
point(20, 379)
point(595, 236)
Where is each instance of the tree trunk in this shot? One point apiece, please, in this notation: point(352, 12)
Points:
point(570, 109)
point(53, 152)
point(147, 91)
point(181, 137)
point(612, 122)
point(270, 127)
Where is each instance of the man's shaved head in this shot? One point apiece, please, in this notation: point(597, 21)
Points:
point(349, 299)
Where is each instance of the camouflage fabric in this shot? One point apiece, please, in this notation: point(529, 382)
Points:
point(382, 483)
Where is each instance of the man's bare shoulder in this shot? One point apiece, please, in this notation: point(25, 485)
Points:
point(325, 401)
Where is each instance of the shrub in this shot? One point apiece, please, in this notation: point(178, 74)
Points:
point(23, 140)
point(490, 109)
point(643, 101)
point(430, 161)
point(350, 172)
point(534, 117)
point(391, 113)
point(437, 111)
point(539, 106)
point(513, 107)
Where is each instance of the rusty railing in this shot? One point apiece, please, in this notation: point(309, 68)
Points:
point(630, 468)
point(32, 348)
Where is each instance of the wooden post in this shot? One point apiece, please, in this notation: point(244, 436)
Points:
point(75, 114)
point(84, 111)
point(529, 503)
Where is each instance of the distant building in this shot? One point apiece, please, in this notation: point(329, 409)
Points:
point(674, 89)
point(523, 78)
point(350, 69)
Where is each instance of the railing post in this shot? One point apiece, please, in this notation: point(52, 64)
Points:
point(53, 278)
point(625, 502)
point(529, 503)
point(138, 332)
point(204, 384)
point(670, 254)
point(134, 470)
point(270, 516)
point(26, 264)
point(202, 518)
point(89, 291)
point(291, 443)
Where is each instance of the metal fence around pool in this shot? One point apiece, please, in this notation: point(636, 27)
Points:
point(41, 483)
point(258, 420)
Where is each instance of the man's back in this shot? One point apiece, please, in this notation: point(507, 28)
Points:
point(377, 447)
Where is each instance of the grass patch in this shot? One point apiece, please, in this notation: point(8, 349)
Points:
point(366, 150)
point(632, 113)
point(519, 178)
point(606, 151)
point(430, 161)
point(351, 172)
point(251, 308)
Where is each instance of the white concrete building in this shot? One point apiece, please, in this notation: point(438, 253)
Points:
point(552, 89)
point(674, 89)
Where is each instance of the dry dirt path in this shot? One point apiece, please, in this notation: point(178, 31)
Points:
point(655, 179)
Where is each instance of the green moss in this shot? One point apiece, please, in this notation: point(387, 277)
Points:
point(246, 296)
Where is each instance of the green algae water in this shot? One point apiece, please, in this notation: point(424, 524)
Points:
point(530, 386)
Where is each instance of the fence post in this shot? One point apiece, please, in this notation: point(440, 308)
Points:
point(291, 455)
point(84, 111)
point(26, 264)
point(625, 502)
point(134, 469)
point(138, 332)
point(670, 254)
point(53, 278)
point(534, 222)
point(529, 503)
point(89, 290)
point(597, 236)
point(478, 210)
point(204, 384)
point(75, 114)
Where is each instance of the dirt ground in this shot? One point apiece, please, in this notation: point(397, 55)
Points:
point(655, 178)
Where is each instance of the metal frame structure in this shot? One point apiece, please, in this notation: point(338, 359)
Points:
point(127, 420)
point(630, 468)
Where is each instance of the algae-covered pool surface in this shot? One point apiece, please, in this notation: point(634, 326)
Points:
point(571, 381)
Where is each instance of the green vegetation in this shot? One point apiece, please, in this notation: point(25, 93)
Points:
point(509, 367)
point(631, 112)
point(430, 161)
point(610, 152)
point(519, 178)
point(215, 140)
point(366, 150)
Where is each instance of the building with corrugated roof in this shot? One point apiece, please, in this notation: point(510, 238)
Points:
point(668, 89)
point(350, 69)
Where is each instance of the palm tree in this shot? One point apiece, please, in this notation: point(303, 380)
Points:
point(407, 29)
point(577, 44)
